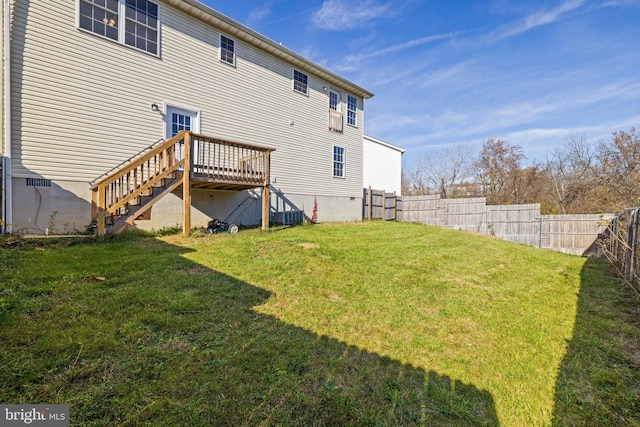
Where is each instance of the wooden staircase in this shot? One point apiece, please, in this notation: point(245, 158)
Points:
point(187, 160)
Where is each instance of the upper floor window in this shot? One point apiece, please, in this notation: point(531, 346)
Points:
point(100, 17)
point(227, 50)
point(352, 110)
point(334, 100)
point(338, 162)
point(300, 82)
point(132, 22)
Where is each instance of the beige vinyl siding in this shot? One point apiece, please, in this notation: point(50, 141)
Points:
point(82, 103)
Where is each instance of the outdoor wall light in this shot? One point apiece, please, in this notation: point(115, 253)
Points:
point(154, 107)
point(324, 88)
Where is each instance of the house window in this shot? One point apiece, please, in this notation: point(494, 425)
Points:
point(338, 162)
point(300, 82)
point(227, 50)
point(100, 17)
point(352, 110)
point(132, 22)
point(141, 25)
point(334, 100)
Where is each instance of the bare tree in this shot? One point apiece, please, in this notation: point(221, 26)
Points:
point(498, 170)
point(528, 185)
point(445, 172)
point(570, 173)
point(574, 178)
point(413, 183)
point(618, 169)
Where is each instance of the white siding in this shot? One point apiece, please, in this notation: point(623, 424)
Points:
point(382, 165)
point(82, 103)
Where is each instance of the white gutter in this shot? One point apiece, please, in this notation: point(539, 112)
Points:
point(7, 200)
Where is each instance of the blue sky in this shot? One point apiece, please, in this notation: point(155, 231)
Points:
point(458, 72)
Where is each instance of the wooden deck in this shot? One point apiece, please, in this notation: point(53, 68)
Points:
point(189, 160)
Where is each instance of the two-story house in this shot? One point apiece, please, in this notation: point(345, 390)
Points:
point(115, 107)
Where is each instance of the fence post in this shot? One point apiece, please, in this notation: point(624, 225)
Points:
point(612, 240)
point(634, 244)
point(627, 250)
point(395, 207)
point(370, 202)
point(540, 237)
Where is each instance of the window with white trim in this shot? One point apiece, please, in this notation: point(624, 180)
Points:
point(334, 100)
point(300, 82)
point(338, 161)
point(352, 110)
point(227, 50)
point(134, 23)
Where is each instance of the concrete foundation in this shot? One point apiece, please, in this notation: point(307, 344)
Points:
point(42, 206)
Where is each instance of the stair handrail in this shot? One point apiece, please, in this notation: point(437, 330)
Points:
point(136, 160)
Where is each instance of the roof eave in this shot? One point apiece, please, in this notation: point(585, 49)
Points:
point(208, 15)
point(385, 144)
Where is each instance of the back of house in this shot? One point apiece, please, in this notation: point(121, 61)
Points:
point(89, 84)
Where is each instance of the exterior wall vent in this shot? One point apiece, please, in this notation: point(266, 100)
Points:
point(38, 182)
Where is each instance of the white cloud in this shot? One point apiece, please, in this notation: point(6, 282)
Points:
point(311, 53)
point(258, 14)
point(538, 142)
point(620, 3)
point(348, 14)
point(402, 46)
point(535, 20)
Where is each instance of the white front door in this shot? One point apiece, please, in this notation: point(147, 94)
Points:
point(177, 119)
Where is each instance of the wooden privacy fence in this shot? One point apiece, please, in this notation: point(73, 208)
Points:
point(620, 244)
point(378, 204)
point(572, 234)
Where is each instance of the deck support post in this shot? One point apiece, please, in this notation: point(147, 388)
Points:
point(265, 207)
point(94, 206)
point(186, 186)
point(266, 197)
point(100, 214)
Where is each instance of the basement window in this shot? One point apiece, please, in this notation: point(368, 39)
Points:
point(135, 23)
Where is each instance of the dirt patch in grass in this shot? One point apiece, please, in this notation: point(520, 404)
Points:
point(308, 245)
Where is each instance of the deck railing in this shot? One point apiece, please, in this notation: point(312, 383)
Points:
point(335, 120)
point(227, 161)
point(195, 157)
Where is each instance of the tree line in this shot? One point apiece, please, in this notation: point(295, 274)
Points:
point(574, 178)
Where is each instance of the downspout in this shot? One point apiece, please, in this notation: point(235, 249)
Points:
point(7, 207)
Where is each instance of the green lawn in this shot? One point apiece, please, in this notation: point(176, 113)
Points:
point(360, 324)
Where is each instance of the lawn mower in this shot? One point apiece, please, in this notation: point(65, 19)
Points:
point(216, 226)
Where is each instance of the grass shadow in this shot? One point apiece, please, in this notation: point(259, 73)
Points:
point(599, 378)
point(130, 332)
